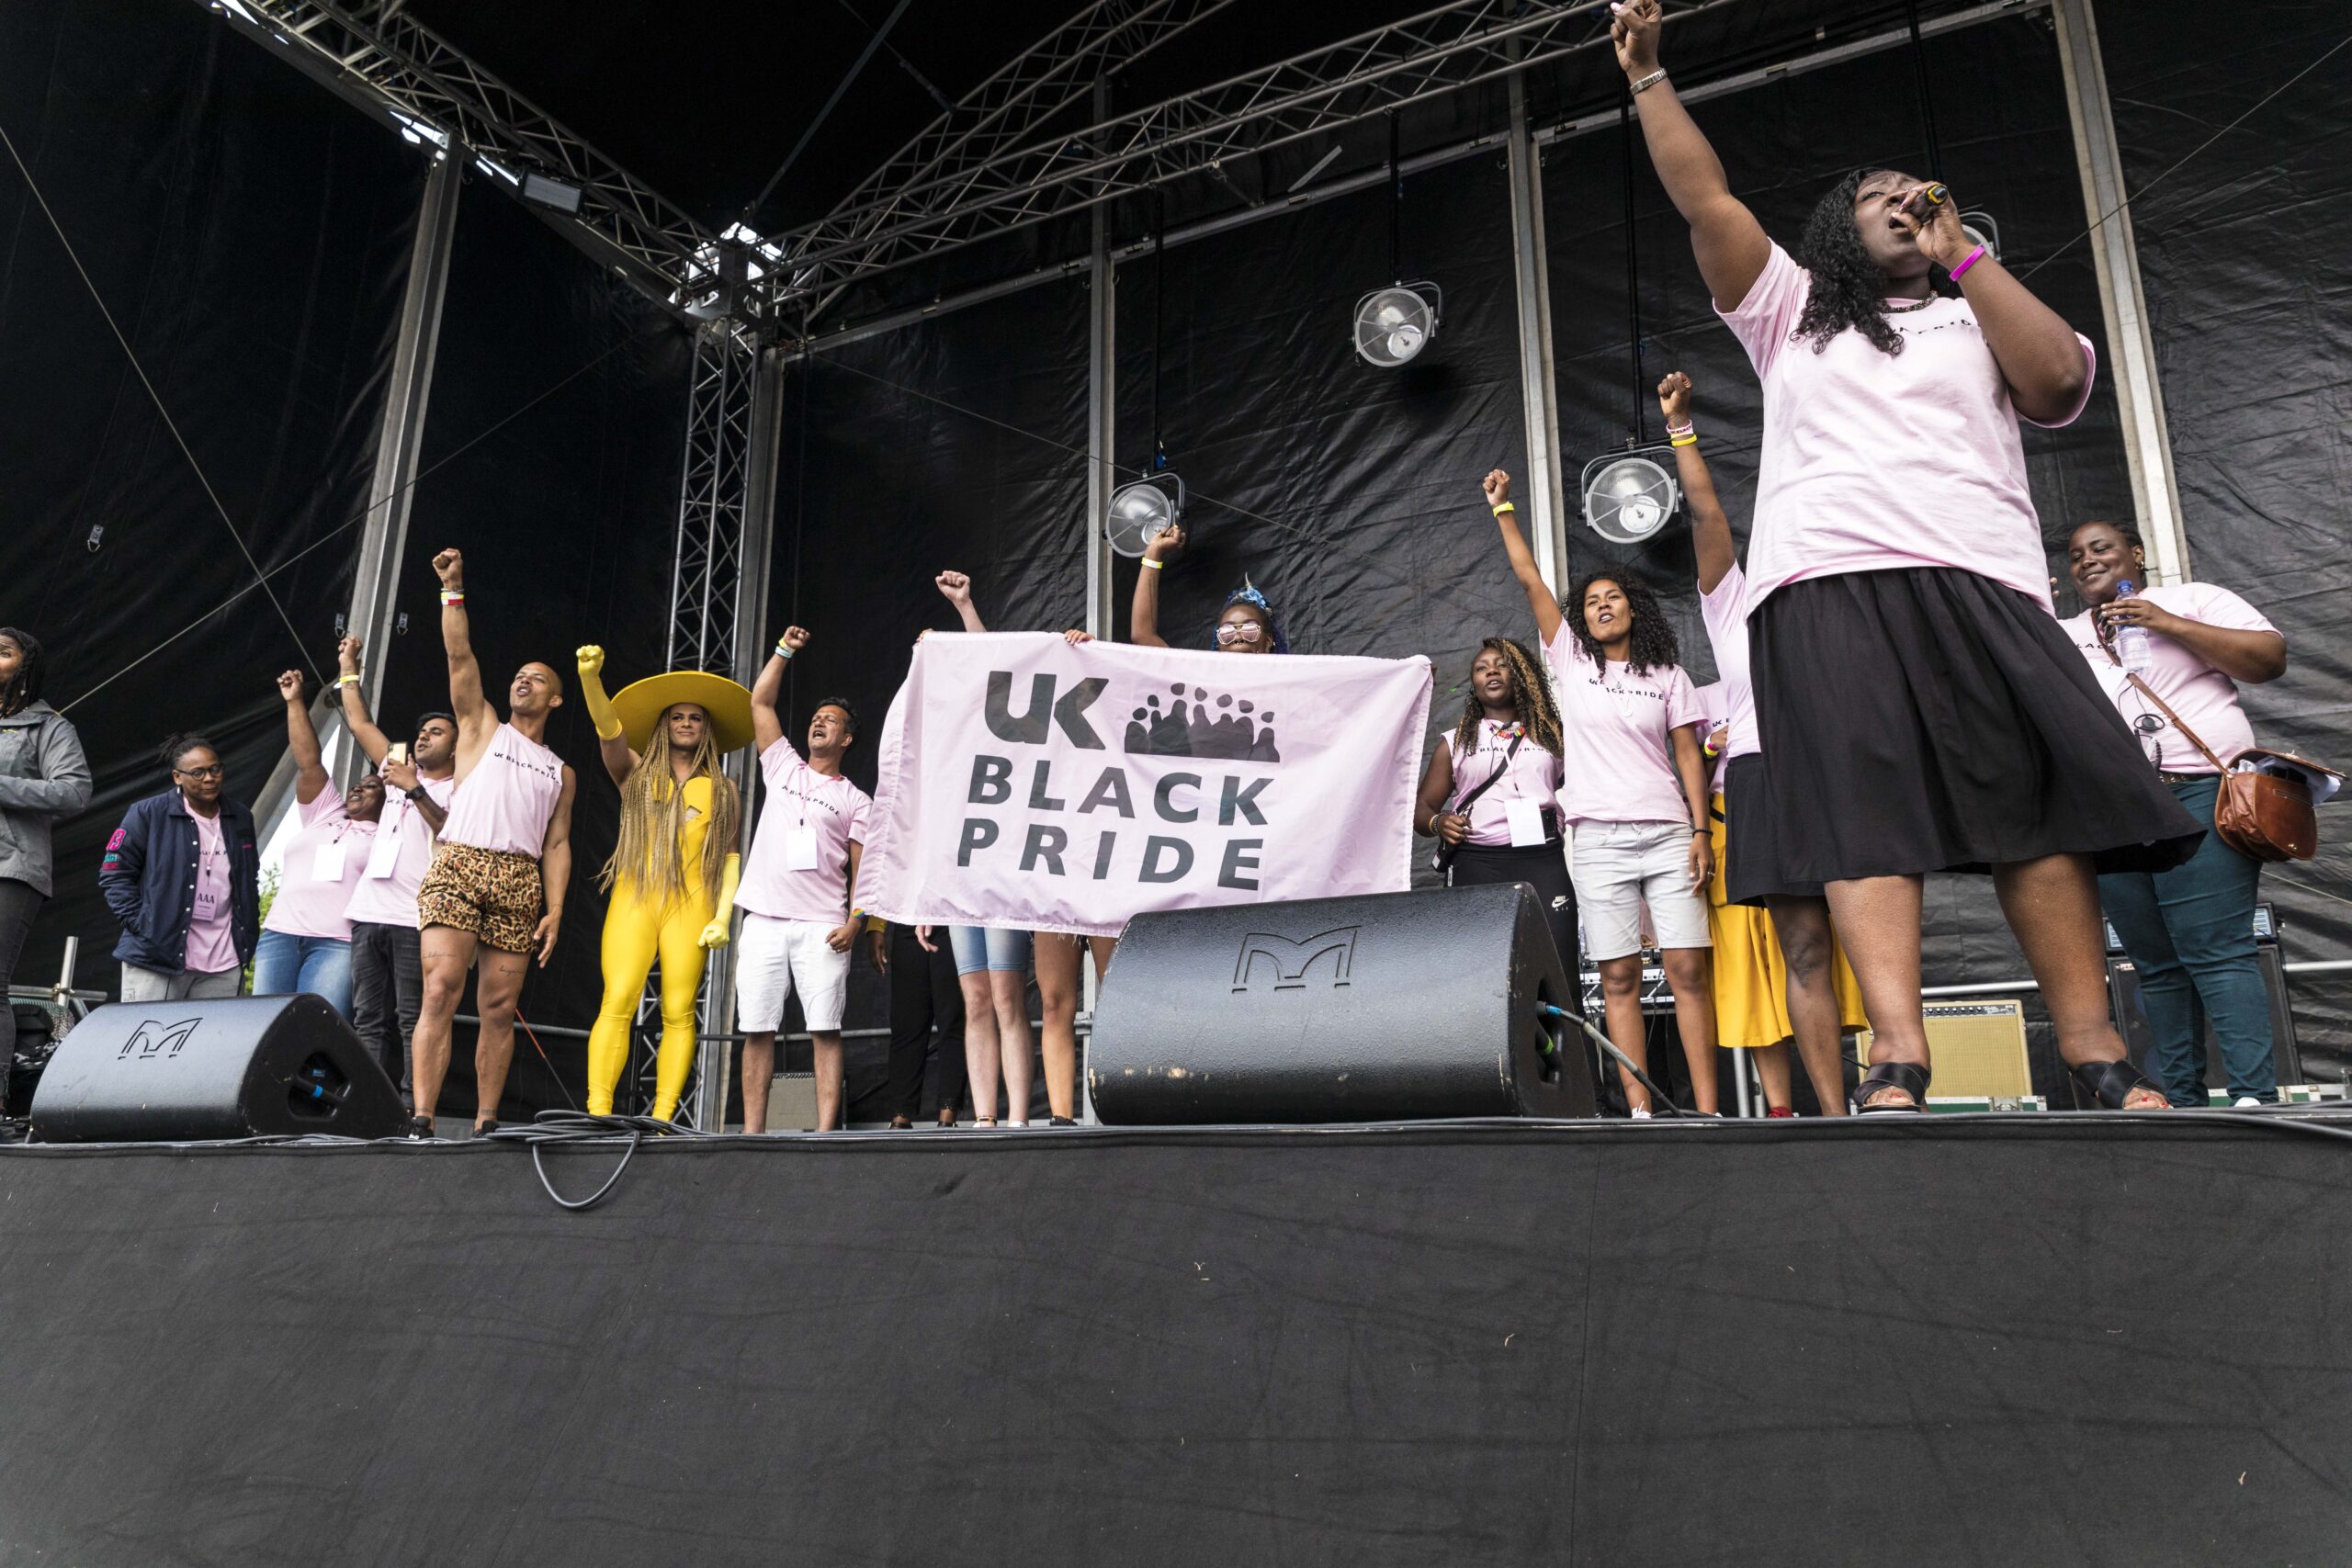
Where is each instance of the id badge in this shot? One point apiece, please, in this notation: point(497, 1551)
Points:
point(384, 852)
point(327, 866)
point(800, 849)
point(1526, 821)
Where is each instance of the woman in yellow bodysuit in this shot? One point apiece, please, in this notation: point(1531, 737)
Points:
point(672, 877)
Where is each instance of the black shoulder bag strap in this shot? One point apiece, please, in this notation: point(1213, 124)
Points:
point(1445, 856)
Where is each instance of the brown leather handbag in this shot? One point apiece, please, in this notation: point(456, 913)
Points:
point(2263, 810)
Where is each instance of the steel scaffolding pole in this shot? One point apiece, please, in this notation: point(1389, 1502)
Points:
point(1539, 393)
point(2131, 350)
point(375, 612)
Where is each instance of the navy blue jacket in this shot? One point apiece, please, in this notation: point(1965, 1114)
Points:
point(149, 878)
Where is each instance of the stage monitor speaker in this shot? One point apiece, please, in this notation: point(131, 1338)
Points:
point(156, 1072)
point(1978, 1050)
point(1389, 1007)
point(2132, 1019)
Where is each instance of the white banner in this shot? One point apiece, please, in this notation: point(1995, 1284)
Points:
point(1035, 786)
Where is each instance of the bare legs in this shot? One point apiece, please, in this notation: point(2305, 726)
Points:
point(445, 952)
point(1621, 1002)
point(1879, 919)
point(2052, 905)
point(826, 1049)
point(759, 1073)
point(981, 1060)
point(1694, 1019)
point(1057, 992)
point(1016, 1043)
point(1808, 947)
point(1772, 1072)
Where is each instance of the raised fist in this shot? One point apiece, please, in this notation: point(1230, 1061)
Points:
point(1674, 398)
point(449, 566)
point(1165, 542)
point(347, 654)
point(592, 660)
point(956, 586)
point(1497, 486)
point(290, 685)
point(795, 637)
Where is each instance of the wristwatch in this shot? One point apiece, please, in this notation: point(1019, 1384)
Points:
point(416, 793)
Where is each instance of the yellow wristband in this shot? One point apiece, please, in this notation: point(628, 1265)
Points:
point(1690, 440)
point(346, 680)
point(1155, 565)
point(1506, 506)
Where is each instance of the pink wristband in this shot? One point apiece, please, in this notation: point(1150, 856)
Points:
point(1966, 261)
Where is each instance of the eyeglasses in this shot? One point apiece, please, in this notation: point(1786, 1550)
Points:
point(1240, 631)
point(214, 772)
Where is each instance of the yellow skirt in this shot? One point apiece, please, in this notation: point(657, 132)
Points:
point(1751, 977)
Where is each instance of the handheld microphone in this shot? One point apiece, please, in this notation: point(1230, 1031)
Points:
point(1928, 201)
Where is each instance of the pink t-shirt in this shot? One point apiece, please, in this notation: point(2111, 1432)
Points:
point(1875, 461)
point(1726, 612)
point(2206, 700)
point(799, 867)
point(1617, 724)
point(398, 860)
point(211, 938)
point(506, 802)
point(322, 866)
point(1534, 775)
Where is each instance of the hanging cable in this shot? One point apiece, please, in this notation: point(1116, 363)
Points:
point(1395, 207)
point(301, 646)
point(347, 526)
point(1935, 170)
point(1159, 312)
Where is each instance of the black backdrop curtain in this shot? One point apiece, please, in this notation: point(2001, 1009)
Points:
point(250, 233)
point(2247, 256)
point(567, 514)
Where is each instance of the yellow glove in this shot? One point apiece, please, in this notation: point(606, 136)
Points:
point(592, 692)
point(729, 875)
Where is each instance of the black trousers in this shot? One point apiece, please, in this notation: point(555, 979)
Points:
point(1543, 867)
point(19, 902)
point(387, 992)
point(925, 999)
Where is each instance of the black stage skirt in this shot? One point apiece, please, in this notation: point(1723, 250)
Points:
point(1749, 876)
point(1543, 867)
point(1930, 719)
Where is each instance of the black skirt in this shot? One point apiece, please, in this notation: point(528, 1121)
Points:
point(1748, 875)
point(1931, 720)
point(1543, 867)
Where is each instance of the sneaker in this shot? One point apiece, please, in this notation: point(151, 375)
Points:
point(1641, 1114)
point(420, 1127)
point(2246, 1102)
point(1782, 1113)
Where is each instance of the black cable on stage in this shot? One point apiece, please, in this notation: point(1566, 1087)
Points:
point(574, 1127)
point(155, 396)
point(347, 526)
point(2101, 222)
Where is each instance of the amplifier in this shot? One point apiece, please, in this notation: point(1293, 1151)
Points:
point(1978, 1048)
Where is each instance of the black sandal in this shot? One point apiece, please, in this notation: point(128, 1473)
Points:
point(1909, 1078)
point(901, 1125)
point(2113, 1083)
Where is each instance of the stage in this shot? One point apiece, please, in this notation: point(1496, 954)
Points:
point(2026, 1339)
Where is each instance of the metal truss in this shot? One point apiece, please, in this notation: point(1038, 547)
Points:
point(1011, 107)
point(973, 192)
point(374, 50)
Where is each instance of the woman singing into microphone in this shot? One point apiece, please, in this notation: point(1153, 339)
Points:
point(1918, 706)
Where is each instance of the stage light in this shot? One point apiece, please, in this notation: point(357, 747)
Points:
point(1395, 324)
point(1982, 228)
point(1142, 510)
point(541, 191)
point(1628, 496)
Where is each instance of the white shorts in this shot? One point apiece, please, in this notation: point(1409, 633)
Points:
point(1619, 866)
point(772, 957)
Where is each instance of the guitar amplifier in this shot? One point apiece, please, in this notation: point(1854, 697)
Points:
point(1978, 1048)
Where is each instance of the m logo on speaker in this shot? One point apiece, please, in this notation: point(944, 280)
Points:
point(153, 1039)
point(1290, 960)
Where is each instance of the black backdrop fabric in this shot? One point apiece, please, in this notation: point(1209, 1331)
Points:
point(2247, 256)
point(958, 443)
point(1348, 494)
point(250, 234)
point(567, 515)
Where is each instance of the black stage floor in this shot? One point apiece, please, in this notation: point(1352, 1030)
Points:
point(2020, 1341)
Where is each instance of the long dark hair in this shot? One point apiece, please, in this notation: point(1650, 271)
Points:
point(1849, 289)
point(22, 690)
point(1531, 699)
point(1653, 644)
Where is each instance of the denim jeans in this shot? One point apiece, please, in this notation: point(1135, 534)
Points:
point(285, 964)
point(387, 993)
point(2189, 933)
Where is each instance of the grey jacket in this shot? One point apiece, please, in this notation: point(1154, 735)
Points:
point(43, 776)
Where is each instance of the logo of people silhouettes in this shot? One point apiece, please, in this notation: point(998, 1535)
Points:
point(1230, 729)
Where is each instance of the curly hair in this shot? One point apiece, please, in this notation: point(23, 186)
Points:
point(23, 689)
point(1531, 699)
point(1849, 289)
point(1653, 644)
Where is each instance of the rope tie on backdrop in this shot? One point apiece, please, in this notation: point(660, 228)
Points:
point(300, 647)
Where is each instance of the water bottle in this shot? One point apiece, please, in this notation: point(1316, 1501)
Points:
point(2131, 644)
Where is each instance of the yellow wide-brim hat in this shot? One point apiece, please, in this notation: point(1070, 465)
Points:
point(641, 706)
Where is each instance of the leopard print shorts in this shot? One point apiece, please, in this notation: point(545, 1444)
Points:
point(495, 894)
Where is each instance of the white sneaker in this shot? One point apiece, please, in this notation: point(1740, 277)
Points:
point(2247, 1101)
point(1641, 1114)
